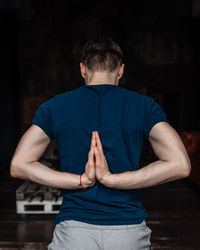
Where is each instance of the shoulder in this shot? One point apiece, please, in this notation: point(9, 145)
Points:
point(46, 105)
point(136, 96)
point(67, 95)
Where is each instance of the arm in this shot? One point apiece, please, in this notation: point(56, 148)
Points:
point(173, 162)
point(25, 165)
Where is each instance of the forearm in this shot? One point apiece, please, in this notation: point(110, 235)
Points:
point(153, 174)
point(39, 173)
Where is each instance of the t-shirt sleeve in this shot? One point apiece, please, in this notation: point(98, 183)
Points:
point(43, 118)
point(154, 114)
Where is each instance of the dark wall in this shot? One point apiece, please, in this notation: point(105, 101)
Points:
point(159, 39)
point(9, 83)
point(42, 41)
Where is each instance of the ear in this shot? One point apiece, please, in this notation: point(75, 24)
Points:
point(83, 70)
point(120, 71)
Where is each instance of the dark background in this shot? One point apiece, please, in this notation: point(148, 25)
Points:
point(40, 53)
point(40, 45)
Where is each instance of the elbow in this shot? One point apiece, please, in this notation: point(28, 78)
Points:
point(14, 169)
point(185, 168)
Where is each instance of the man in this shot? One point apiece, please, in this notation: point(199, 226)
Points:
point(99, 129)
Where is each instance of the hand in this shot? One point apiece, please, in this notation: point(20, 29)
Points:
point(101, 165)
point(88, 177)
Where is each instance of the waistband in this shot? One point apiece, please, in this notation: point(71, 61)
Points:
point(80, 224)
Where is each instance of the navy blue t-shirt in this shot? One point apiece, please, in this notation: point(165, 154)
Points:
point(123, 118)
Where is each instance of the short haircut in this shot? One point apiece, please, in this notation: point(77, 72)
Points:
point(102, 54)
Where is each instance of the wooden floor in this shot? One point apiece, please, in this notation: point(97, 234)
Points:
point(173, 215)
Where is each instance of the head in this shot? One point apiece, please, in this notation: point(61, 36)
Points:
point(102, 60)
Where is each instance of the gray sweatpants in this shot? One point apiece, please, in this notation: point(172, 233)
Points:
point(76, 235)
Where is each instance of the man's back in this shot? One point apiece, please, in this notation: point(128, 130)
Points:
point(122, 118)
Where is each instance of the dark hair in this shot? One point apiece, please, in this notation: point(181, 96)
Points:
point(102, 54)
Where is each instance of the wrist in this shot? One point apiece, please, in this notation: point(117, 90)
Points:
point(108, 179)
point(119, 180)
point(85, 181)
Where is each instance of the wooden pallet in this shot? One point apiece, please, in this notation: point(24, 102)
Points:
point(33, 198)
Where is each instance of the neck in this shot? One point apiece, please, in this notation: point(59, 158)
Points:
point(102, 78)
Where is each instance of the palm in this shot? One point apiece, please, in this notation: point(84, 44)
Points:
point(90, 171)
point(101, 165)
point(101, 168)
point(96, 166)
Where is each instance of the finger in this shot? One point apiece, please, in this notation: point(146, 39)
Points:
point(91, 157)
point(93, 140)
point(98, 159)
point(98, 141)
